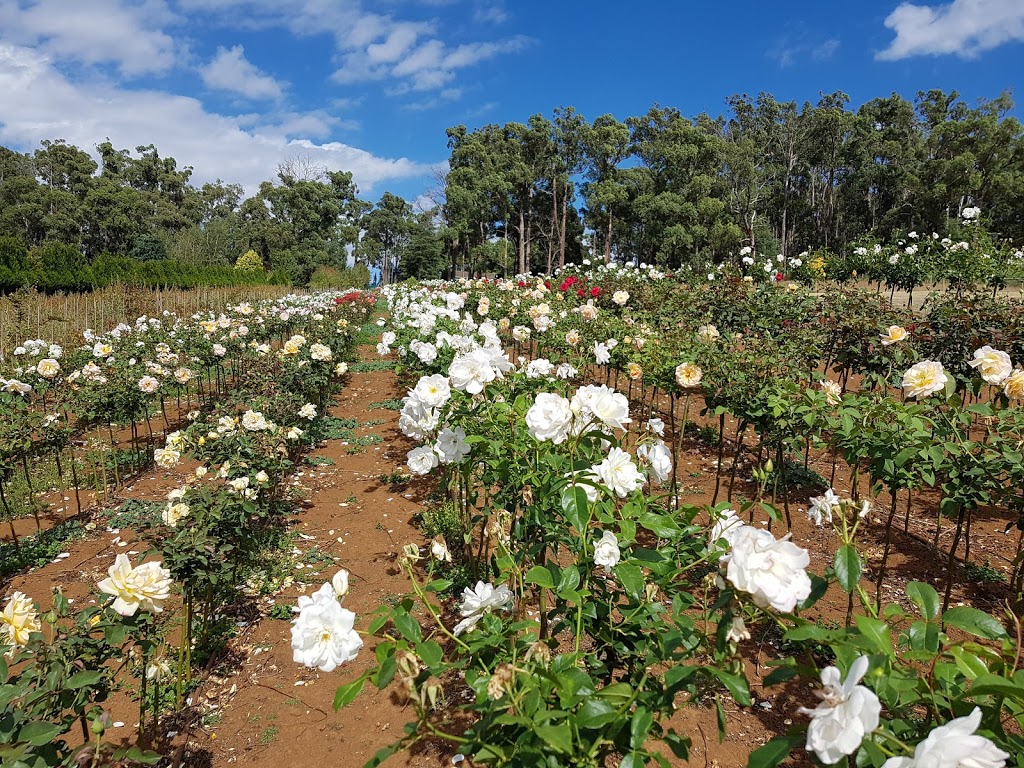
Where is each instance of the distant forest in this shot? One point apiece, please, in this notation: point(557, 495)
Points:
point(660, 187)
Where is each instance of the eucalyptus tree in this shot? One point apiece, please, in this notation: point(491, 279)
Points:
point(604, 144)
point(684, 215)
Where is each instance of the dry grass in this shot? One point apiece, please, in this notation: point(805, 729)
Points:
point(62, 318)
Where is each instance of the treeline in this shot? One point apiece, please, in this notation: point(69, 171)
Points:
point(72, 223)
point(660, 187)
point(55, 267)
point(776, 176)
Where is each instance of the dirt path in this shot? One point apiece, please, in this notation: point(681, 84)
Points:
point(280, 712)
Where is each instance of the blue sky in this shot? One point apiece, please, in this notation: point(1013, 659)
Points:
point(233, 87)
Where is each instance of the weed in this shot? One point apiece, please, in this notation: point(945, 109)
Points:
point(320, 461)
point(372, 365)
point(316, 556)
point(707, 434)
point(38, 549)
point(332, 428)
point(135, 513)
point(391, 405)
point(211, 718)
point(983, 574)
point(395, 478)
point(795, 475)
point(441, 520)
point(280, 612)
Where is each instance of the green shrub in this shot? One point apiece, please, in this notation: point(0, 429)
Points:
point(249, 262)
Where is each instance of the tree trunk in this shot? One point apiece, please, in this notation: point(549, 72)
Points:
point(608, 240)
point(561, 235)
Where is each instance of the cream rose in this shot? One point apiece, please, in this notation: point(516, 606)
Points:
point(145, 587)
point(924, 379)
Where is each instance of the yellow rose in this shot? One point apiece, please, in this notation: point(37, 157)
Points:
point(18, 619)
point(894, 335)
point(145, 587)
point(1014, 384)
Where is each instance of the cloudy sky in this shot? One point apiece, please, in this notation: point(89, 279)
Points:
point(233, 87)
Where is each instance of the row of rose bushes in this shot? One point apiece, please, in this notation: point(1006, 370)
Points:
point(261, 376)
point(601, 603)
point(968, 256)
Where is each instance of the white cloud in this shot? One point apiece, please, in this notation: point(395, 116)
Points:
point(963, 27)
point(39, 103)
point(825, 50)
point(445, 96)
point(126, 34)
point(430, 65)
point(231, 71)
point(489, 14)
point(369, 46)
point(799, 44)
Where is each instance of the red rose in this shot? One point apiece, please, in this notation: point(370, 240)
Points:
point(581, 293)
point(595, 292)
point(779, 277)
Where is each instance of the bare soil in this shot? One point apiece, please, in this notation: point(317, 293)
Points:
point(259, 708)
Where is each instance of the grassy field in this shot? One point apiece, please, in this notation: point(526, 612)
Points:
point(62, 318)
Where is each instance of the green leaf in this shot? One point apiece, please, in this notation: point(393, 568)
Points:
point(819, 587)
point(430, 652)
point(595, 713)
point(438, 585)
point(347, 693)
point(974, 622)
point(569, 581)
point(540, 576)
point(972, 666)
point(876, 632)
point(720, 718)
point(407, 626)
point(574, 506)
point(83, 679)
point(735, 684)
point(925, 598)
point(558, 737)
point(383, 754)
point(639, 727)
point(993, 685)
point(39, 732)
point(632, 579)
point(774, 752)
point(847, 567)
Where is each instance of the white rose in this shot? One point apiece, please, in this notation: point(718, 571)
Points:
point(480, 600)
point(145, 587)
point(48, 368)
point(618, 472)
point(954, 745)
point(421, 460)
point(847, 713)
point(771, 571)
point(659, 458)
point(451, 445)
point(688, 375)
point(549, 418)
point(606, 552)
point(323, 634)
